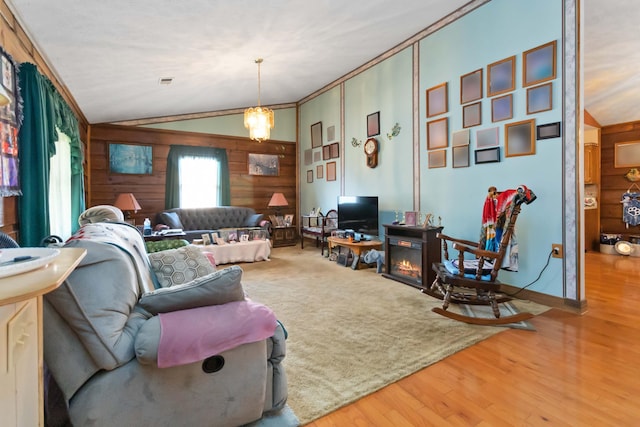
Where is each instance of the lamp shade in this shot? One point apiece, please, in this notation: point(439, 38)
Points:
point(127, 202)
point(278, 199)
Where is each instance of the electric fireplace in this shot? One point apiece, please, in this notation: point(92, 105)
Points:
point(409, 254)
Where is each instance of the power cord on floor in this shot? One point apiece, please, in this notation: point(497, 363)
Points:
point(537, 278)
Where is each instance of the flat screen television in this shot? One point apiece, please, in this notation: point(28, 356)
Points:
point(358, 213)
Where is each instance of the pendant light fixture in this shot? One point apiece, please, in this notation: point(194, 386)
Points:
point(259, 120)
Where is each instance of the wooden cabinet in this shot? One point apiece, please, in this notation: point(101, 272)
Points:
point(21, 382)
point(591, 164)
point(284, 236)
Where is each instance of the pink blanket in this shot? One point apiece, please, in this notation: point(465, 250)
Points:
point(187, 336)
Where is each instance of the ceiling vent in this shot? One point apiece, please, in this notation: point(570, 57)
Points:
point(166, 80)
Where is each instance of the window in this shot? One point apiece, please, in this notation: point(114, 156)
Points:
point(203, 177)
point(60, 188)
point(199, 181)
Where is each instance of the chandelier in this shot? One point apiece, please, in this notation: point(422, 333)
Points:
point(259, 120)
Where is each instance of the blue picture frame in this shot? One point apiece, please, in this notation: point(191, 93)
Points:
point(130, 159)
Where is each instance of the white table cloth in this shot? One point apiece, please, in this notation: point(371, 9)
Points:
point(253, 250)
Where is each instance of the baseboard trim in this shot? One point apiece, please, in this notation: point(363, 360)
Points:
point(573, 306)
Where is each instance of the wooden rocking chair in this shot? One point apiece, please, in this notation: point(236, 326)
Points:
point(474, 282)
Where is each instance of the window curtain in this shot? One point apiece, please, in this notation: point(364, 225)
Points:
point(172, 191)
point(43, 110)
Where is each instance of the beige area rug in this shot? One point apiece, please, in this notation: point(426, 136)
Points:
point(351, 332)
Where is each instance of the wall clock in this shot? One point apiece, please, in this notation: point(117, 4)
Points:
point(371, 150)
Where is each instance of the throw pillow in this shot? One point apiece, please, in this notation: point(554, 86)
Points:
point(181, 265)
point(253, 220)
point(172, 219)
point(163, 245)
point(217, 288)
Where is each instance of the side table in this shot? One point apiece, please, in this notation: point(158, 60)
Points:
point(284, 236)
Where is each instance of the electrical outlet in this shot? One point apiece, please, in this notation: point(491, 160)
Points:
point(556, 250)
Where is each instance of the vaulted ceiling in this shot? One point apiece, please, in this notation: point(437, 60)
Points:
point(113, 54)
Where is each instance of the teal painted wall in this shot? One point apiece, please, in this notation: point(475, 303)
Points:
point(324, 108)
point(497, 30)
point(233, 125)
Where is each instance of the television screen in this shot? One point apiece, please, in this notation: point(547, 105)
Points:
point(358, 213)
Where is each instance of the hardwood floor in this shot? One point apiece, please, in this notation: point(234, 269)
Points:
point(574, 371)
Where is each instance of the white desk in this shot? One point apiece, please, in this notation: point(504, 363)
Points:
point(253, 250)
point(21, 383)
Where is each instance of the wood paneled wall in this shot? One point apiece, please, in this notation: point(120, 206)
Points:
point(246, 190)
point(613, 183)
point(15, 42)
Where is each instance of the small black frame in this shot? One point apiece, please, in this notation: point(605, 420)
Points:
point(373, 124)
point(548, 130)
point(487, 155)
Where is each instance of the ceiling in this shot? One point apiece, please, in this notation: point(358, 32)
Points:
point(112, 54)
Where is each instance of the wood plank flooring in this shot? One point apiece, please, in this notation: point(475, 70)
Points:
point(574, 371)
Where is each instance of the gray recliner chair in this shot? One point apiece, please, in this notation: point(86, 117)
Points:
point(102, 337)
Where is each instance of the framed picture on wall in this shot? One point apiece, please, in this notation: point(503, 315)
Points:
point(263, 164)
point(373, 124)
point(131, 159)
point(472, 115)
point(308, 156)
point(460, 156)
point(548, 130)
point(326, 152)
point(437, 159)
point(519, 139)
point(501, 76)
point(539, 98)
point(539, 64)
point(316, 135)
point(331, 133)
point(309, 176)
point(502, 108)
point(461, 137)
point(437, 100)
point(331, 171)
point(487, 138)
point(334, 150)
point(487, 155)
point(438, 133)
point(471, 86)
point(319, 171)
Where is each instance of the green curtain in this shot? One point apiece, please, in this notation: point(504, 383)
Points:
point(43, 110)
point(172, 190)
point(67, 123)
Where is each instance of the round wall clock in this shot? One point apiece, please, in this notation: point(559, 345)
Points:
point(371, 150)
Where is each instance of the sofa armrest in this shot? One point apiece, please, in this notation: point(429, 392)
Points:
point(187, 336)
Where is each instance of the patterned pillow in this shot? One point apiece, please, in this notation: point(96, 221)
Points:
point(178, 266)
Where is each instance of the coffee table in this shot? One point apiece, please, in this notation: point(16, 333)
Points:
point(356, 247)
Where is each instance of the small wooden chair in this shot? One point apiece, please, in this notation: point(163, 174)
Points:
point(318, 227)
point(474, 281)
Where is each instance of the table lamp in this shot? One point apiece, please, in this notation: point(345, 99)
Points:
point(127, 202)
point(277, 201)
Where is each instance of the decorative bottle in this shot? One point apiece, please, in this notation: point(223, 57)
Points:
point(146, 229)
